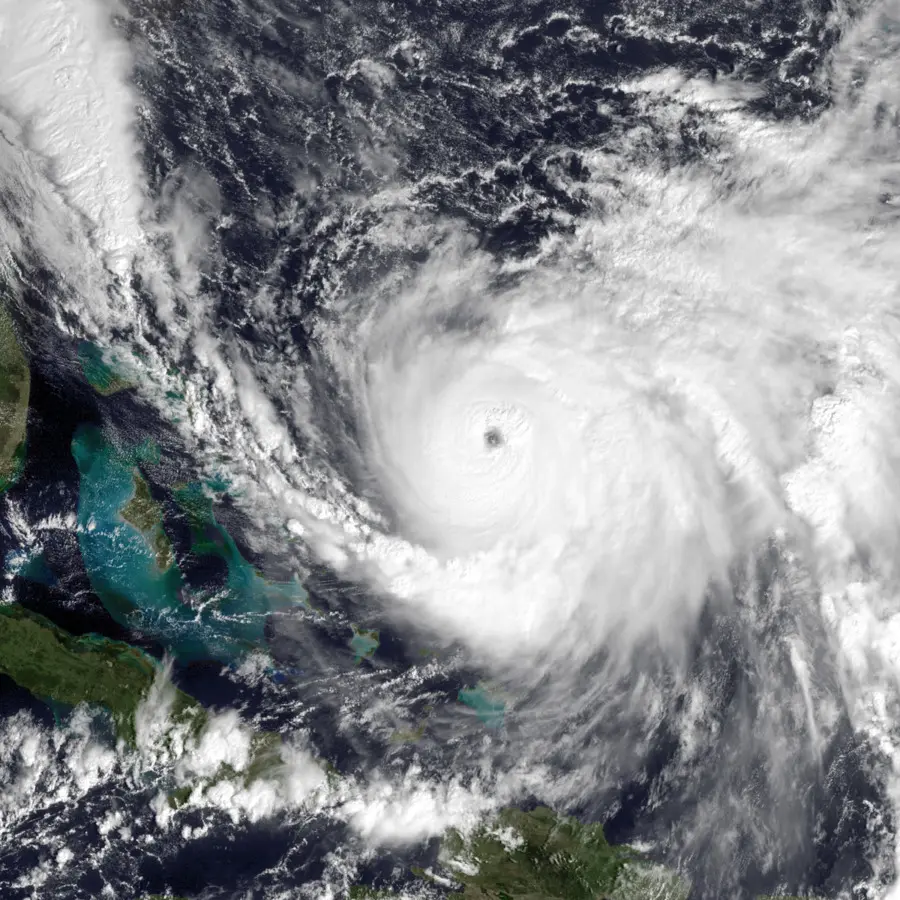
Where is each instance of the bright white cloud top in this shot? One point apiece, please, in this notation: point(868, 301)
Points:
point(559, 463)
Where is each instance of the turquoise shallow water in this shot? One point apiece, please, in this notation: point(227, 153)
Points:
point(223, 621)
point(490, 709)
point(363, 644)
point(30, 566)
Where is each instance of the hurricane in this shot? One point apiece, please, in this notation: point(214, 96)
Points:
point(505, 408)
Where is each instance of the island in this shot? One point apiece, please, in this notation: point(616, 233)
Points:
point(539, 854)
point(60, 668)
point(53, 665)
point(146, 515)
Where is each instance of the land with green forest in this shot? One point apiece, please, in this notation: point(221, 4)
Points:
point(146, 515)
point(540, 855)
point(517, 855)
point(15, 388)
point(54, 665)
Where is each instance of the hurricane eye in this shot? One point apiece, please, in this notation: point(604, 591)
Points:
point(493, 437)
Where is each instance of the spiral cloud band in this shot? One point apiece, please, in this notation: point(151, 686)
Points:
point(585, 446)
point(641, 475)
point(559, 472)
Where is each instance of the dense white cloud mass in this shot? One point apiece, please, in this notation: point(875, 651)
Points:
point(583, 446)
point(64, 88)
point(566, 458)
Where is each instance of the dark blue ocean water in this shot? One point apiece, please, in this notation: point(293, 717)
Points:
point(485, 103)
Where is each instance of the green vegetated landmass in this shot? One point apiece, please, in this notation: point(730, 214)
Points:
point(133, 569)
point(15, 387)
point(145, 514)
point(207, 538)
point(59, 668)
point(54, 665)
point(539, 855)
point(415, 732)
point(409, 735)
point(265, 758)
point(533, 855)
